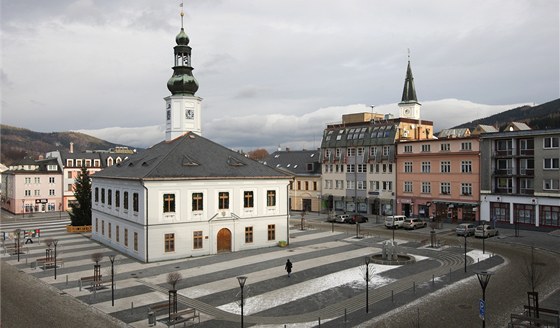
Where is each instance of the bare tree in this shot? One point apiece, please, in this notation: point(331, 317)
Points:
point(96, 257)
point(173, 278)
point(532, 273)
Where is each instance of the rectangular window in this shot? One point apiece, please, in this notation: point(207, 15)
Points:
point(248, 234)
point(350, 168)
point(79, 163)
point(551, 163)
point(102, 195)
point(551, 142)
point(362, 168)
point(197, 239)
point(117, 198)
point(306, 185)
point(271, 198)
point(88, 162)
point(27, 180)
point(69, 162)
point(466, 189)
point(551, 184)
point(135, 205)
point(466, 166)
point(408, 167)
point(169, 242)
point(96, 195)
point(136, 241)
point(51, 192)
point(117, 234)
point(408, 186)
point(426, 148)
point(109, 230)
point(445, 188)
point(223, 200)
point(37, 192)
point(248, 199)
point(362, 185)
point(103, 227)
point(197, 201)
point(125, 200)
point(360, 151)
point(271, 232)
point(168, 203)
point(387, 185)
point(445, 147)
point(408, 149)
point(125, 237)
point(445, 166)
point(350, 184)
point(386, 151)
point(109, 197)
point(27, 192)
point(70, 187)
point(351, 152)
point(426, 188)
point(51, 179)
point(426, 167)
point(466, 145)
point(69, 174)
point(373, 151)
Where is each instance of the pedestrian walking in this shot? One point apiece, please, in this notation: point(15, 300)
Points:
point(288, 267)
point(28, 240)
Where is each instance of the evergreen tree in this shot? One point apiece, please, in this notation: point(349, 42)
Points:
point(81, 209)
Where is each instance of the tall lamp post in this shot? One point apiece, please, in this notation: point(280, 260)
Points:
point(483, 237)
point(55, 242)
point(367, 262)
point(466, 235)
point(242, 281)
point(112, 259)
point(483, 278)
point(18, 232)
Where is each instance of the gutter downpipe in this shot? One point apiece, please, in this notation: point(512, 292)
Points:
point(147, 225)
point(288, 213)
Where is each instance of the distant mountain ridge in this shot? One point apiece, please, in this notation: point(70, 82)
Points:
point(540, 117)
point(18, 143)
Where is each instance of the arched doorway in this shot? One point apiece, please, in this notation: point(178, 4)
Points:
point(224, 240)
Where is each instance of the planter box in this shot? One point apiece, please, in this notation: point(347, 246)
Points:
point(78, 229)
point(282, 243)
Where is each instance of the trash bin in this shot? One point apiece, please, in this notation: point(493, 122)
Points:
point(151, 318)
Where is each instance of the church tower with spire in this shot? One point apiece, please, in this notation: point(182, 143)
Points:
point(409, 105)
point(182, 108)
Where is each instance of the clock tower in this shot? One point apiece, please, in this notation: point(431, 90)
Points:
point(409, 105)
point(182, 108)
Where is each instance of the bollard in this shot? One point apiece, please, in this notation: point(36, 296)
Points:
point(414, 287)
point(433, 280)
point(345, 319)
point(319, 322)
point(131, 307)
point(80, 284)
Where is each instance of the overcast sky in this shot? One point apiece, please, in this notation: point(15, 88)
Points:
point(271, 72)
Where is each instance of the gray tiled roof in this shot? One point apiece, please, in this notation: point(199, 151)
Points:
point(189, 157)
point(296, 162)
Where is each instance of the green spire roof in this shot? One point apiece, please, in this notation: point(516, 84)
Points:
point(182, 82)
point(409, 92)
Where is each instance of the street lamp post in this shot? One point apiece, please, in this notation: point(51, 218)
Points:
point(112, 259)
point(18, 232)
point(242, 281)
point(483, 236)
point(483, 278)
point(466, 235)
point(367, 260)
point(55, 242)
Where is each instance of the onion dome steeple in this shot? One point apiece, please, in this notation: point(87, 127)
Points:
point(182, 82)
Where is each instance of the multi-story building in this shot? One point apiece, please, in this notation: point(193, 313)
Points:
point(93, 160)
point(32, 186)
point(358, 155)
point(439, 178)
point(188, 196)
point(520, 177)
point(305, 190)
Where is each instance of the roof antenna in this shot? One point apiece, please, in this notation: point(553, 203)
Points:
point(406, 48)
point(182, 13)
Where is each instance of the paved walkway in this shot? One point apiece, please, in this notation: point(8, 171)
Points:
point(325, 285)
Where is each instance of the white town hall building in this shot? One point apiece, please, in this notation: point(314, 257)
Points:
point(188, 196)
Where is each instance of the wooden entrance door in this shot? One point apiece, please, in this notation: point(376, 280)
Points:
point(224, 240)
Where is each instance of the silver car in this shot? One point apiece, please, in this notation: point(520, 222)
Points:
point(484, 231)
point(465, 229)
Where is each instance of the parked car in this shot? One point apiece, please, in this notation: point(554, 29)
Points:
point(484, 231)
point(357, 218)
point(342, 218)
point(394, 222)
point(413, 224)
point(465, 229)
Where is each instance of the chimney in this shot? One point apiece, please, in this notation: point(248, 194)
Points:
point(71, 148)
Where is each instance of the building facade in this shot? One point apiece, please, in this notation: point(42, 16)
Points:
point(188, 196)
point(520, 177)
point(439, 178)
point(305, 190)
point(31, 187)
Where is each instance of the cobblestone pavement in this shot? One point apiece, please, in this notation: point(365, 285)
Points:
point(434, 292)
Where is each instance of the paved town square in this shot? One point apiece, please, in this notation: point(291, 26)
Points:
point(326, 288)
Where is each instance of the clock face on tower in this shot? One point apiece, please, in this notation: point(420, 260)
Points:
point(189, 114)
point(407, 111)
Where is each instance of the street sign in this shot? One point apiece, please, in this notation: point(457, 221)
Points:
point(482, 309)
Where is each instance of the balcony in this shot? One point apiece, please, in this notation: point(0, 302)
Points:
point(526, 191)
point(527, 172)
point(503, 171)
point(503, 153)
point(526, 152)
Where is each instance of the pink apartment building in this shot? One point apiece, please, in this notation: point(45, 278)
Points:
point(439, 178)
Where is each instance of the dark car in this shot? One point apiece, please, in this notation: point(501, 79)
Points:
point(359, 219)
